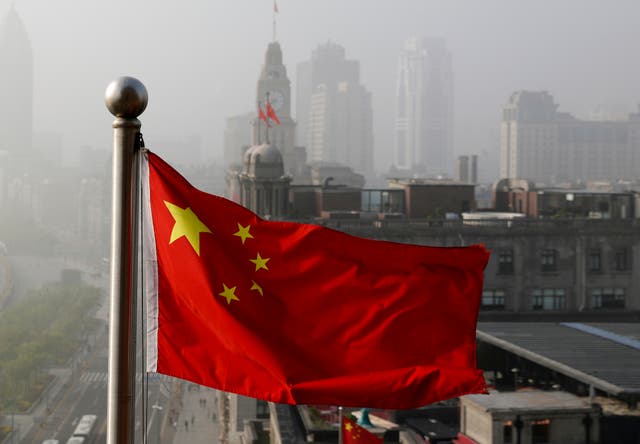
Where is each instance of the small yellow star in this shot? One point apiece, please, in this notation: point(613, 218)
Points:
point(260, 262)
point(186, 224)
point(229, 294)
point(256, 287)
point(243, 233)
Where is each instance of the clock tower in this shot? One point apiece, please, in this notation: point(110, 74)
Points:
point(273, 81)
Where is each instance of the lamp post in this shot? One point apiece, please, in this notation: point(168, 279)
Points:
point(158, 410)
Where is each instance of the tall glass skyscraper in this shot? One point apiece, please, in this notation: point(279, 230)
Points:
point(424, 113)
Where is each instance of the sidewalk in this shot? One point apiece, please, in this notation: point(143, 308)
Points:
point(197, 423)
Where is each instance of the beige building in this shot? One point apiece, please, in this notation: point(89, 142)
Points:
point(540, 144)
point(334, 110)
point(529, 417)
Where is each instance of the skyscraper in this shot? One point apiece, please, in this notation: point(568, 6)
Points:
point(334, 111)
point(424, 113)
point(16, 87)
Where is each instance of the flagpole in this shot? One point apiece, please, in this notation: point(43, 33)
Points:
point(274, 20)
point(340, 414)
point(259, 111)
point(268, 126)
point(126, 98)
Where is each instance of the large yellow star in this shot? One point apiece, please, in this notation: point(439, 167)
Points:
point(348, 426)
point(260, 262)
point(243, 233)
point(229, 294)
point(187, 225)
point(256, 287)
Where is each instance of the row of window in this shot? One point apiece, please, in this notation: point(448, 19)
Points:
point(556, 298)
point(548, 261)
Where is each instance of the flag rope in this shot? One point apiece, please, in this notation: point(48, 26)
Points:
point(140, 149)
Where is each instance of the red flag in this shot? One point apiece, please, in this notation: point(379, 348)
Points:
point(275, 7)
point(263, 117)
point(271, 113)
point(352, 433)
point(302, 314)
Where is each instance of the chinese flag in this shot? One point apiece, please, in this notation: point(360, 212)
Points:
point(262, 116)
point(352, 433)
point(272, 113)
point(302, 314)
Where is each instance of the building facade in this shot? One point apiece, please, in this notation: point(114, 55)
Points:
point(467, 168)
point(334, 110)
point(540, 144)
point(424, 109)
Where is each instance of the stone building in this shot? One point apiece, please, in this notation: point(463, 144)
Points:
point(263, 185)
point(534, 417)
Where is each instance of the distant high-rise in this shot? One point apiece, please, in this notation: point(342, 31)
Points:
point(334, 111)
point(468, 168)
point(424, 113)
point(16, 87)
point(546, 146)
point(237, 136)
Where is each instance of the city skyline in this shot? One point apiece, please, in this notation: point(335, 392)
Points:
point(495, 54)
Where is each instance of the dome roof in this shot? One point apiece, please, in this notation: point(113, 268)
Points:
point(263, 161)
point(267, 153)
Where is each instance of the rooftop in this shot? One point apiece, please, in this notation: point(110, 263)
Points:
point(604, 355)
point(529, 400)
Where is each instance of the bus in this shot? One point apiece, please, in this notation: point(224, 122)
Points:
point(84, 427)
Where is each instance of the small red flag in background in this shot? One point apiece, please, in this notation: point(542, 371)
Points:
point(352, 433)
point(302, 314)
point(262, 116)
point(275, 7)
point(271, 113)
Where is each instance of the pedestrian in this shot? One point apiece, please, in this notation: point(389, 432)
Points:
point(193, 419)
point(186, 425)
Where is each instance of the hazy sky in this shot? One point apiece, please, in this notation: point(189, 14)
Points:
point(200, 59)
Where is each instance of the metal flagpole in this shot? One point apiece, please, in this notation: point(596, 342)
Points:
point(268, 118)
point(259, 111)
point(340, 414)
point(126, 98)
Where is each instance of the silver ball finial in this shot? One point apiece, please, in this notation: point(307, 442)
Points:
point(126, 97)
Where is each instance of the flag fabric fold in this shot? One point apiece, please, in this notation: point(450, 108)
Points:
point(302, 314)
point(271, 113)
point(263, 116)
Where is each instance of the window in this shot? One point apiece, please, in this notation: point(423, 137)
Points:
point(505, 262)
point(262, 409)
point(507, 432)
point(493, 299)
point(548, 260)
point(540, 431)
point(548, 299)
point(594, 264)
point(622, 260)
point(607, 298)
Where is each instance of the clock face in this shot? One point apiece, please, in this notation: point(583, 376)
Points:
point(276, 98)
